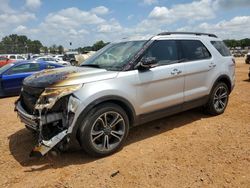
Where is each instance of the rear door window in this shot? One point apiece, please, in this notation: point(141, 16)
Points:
point(165, 52)
point(193, 50)
point(221, 48)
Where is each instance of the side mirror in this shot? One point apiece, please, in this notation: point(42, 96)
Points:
point(147, 63)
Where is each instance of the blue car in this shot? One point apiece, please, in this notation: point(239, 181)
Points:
point(12, 75)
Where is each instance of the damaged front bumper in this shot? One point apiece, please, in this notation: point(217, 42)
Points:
point(38, 122)
point(32, 121)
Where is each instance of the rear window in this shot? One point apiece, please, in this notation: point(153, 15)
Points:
point(221, 47)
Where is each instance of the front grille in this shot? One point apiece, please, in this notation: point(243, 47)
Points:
point(29, 97)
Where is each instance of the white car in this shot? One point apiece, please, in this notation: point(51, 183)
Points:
point(58, 57)
point(51, 60)
point(16, 57)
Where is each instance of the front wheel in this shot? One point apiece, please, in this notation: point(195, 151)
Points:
point(218, 99)
point(104, 130)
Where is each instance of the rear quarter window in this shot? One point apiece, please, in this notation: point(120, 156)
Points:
point(221, 48)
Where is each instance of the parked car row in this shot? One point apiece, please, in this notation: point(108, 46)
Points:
point(52, 60)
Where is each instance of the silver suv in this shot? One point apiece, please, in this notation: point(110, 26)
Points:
point(126, 83)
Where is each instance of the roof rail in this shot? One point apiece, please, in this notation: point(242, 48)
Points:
point(188, 33)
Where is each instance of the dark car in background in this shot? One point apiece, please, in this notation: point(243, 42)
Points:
point(12, 75)
point(70, 57)
point(247, 60)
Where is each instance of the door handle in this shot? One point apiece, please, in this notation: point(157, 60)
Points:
point(176, 72)
point(212, 65)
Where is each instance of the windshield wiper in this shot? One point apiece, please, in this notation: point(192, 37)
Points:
point(90, 65)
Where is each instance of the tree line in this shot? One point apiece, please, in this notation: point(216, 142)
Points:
point(231, 43)
point(21, 44)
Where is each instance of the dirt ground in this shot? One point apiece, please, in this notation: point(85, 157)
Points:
point(186, 150)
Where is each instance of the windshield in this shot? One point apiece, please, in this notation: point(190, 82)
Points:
point(5, 67)
point(115, 55)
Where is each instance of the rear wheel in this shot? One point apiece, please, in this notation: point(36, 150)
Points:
point(218, 99)
point(104, 130)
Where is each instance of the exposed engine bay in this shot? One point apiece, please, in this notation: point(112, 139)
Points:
point(49, 112)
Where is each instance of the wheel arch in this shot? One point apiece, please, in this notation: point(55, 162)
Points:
point(225, 79)
point(123, 103)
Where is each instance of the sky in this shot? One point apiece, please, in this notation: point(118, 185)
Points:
point(83, 22)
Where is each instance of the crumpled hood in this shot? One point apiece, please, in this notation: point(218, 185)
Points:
point(67, 76)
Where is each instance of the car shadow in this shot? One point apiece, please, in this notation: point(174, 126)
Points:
point(8, 96)
point(22, 142)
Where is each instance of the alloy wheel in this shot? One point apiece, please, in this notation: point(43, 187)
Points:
point(220, 98)
point(108, 131)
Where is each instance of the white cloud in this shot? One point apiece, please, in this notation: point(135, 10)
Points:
point(33, 4)
point(5, 8)
point(101, 10)
point(12, 20)
point(21, 29)
point(149, 2)
point(196, 10)
point(225, 29)
point(110, 27)
point(72, 17)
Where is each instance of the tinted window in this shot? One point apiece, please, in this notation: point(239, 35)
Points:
point(221, 47)
point(193, 50)
point(30, 67)
point(12, 57)
point(50, 59)
point(164, 51)
point(20, 57)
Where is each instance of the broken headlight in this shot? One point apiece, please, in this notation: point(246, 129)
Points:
point(51, 95)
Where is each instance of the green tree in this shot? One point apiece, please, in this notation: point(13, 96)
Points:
point(98, 45)
point(19, 44)
point(35, 46)
point(53, 49)
point(45, 49)
point(60, 49)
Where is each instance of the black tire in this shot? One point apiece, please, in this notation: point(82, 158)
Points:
point(96, 136)
point(218, 99)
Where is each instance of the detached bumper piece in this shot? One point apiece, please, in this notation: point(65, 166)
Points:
point(45, 146)
point(34, 122)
